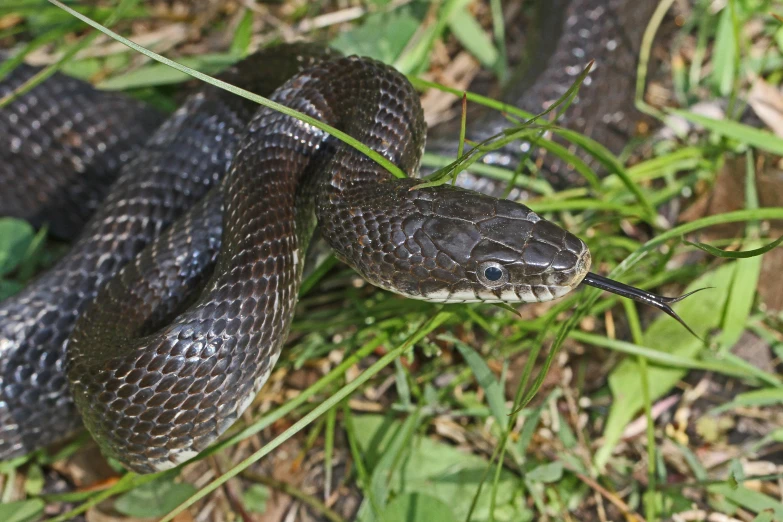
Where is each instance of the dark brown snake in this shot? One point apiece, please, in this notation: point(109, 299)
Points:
point(169, 312)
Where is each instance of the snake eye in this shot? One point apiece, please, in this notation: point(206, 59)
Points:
point(492, 274)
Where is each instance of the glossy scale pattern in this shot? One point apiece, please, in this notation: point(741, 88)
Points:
point(154, 395)
point(568, 34)
point(61, 147)
point(186, 156)
point(177, 344)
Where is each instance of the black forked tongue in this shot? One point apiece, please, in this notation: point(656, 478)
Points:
point(640, 296)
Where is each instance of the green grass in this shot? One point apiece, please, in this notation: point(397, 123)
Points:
point(467, 428)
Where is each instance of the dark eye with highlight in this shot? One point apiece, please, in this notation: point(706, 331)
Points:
point(492, 274)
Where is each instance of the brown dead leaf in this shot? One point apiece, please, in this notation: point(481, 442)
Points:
point(86, 468)
point(767, 103)
point(727, 194)
point(9, 20)
point(755, 350)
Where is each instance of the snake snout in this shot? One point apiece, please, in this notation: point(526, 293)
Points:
point(552, 263)
point(569, 269)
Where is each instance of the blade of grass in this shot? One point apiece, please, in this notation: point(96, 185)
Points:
point(356, 454)
point(666, 359)
point(485, 378)
point(698, 224)
point(331, 420)
point(47, 72)
point(737, 131)
point(499, 32)
point(506, 136)
point(538, 185)
point(744, 254)
point(345, 138)
point(765, 397)
point(243, 34)
point(650, 504)
point(644, 58)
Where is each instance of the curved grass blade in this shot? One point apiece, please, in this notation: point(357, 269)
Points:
point(606, 158)
point(345, 138)
point(698, 224)
point(717, 252)
point(737, 131)
point(591, 298)
point(644, 58)
point(538, 185)
point(507, 136)
point(47, 72)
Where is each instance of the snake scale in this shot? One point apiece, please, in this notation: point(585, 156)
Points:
point(168, 314)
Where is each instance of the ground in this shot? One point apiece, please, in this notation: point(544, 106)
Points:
point(589, 408)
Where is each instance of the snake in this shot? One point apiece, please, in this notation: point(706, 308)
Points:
point(167, 315)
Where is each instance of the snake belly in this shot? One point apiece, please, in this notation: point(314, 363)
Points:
point(178, 342)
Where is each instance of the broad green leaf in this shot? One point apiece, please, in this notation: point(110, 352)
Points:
point(749, 499)
point(159, 74)
point(22, 511)
point(418, 507)
point(668, 336)
point(255, 498)
point(486, 379)
point(724, 55)
point(443, 471)
point(15, 238)
point(472, 36)
point(731, 129)
point(764, 397)
point(383, 35)
point(153, 499)
point(740, 302)
point(243, 34)
point(551, 472)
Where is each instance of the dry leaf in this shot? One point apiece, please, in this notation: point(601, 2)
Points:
point(767, 103)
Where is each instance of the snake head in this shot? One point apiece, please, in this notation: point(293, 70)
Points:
point(452, 245)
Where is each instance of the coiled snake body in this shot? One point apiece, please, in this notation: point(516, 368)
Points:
point(163, 333)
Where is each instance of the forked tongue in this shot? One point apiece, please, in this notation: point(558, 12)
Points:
point(640, 296)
